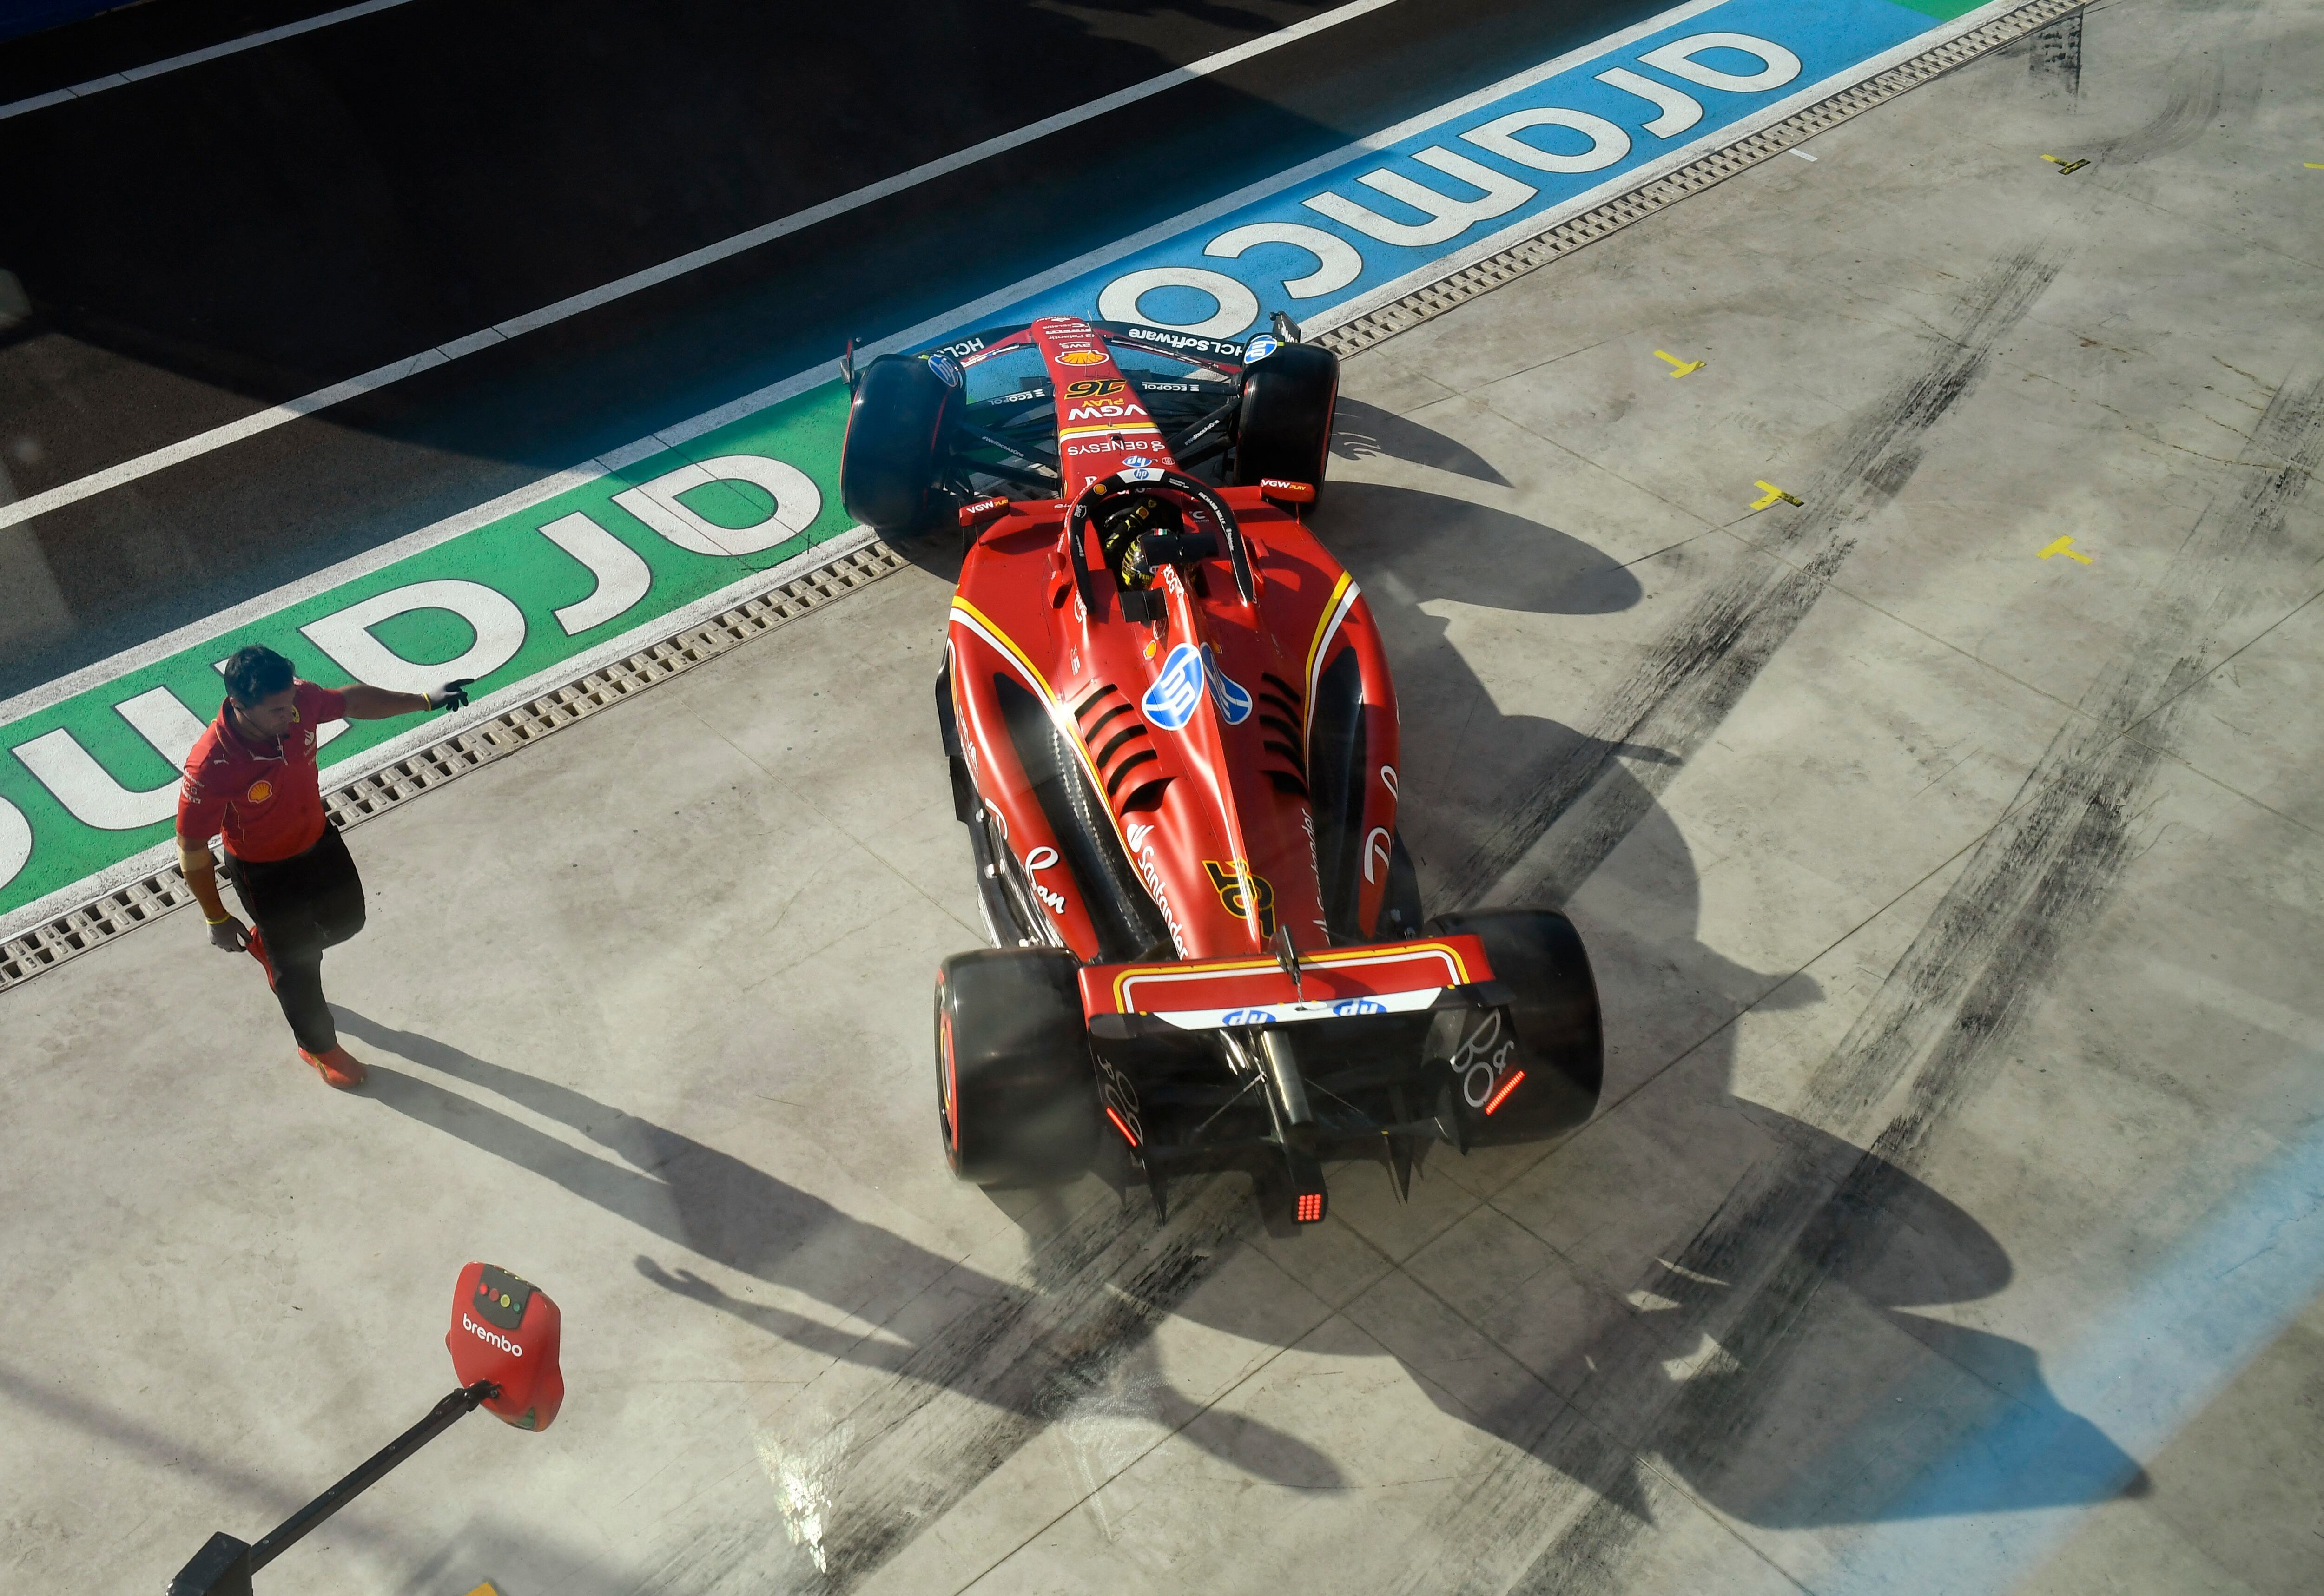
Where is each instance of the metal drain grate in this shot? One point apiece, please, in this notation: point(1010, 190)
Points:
point(76, 931)
point(1717, 167)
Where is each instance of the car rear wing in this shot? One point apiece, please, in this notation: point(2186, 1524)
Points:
point(1123, 1001)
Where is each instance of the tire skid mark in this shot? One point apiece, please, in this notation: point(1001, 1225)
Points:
point(1941, 1025)
point(2055, 53)
point(859, 1476)
point(896, 1461)
point(1700, 669)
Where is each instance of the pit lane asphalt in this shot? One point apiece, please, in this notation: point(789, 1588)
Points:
point(206, 243)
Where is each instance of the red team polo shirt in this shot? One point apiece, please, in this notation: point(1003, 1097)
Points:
point(267, 798)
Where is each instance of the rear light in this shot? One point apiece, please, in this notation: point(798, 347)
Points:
point(1310, 1208)
point(1508, 1086)
point(1118, 1125)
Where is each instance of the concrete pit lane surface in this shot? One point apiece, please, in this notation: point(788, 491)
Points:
point(1946, 846)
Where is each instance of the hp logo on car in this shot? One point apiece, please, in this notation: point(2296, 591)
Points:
point(1170, 702)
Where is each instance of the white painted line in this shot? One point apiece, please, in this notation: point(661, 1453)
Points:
point(194, 58)
point(219, 438)
point(962, 317)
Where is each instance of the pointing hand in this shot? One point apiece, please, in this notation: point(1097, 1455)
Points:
point(452, 695)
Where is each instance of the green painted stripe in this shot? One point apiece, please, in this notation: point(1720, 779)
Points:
point(1944, 11)
point(509, 556)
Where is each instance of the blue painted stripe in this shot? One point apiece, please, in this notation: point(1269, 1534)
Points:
point(1982, 1517)
point(1347, 238)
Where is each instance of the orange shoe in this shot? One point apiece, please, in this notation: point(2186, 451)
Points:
point(337, 1068)
point(257, 950)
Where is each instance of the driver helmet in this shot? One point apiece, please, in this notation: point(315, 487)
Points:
point(1121, 520)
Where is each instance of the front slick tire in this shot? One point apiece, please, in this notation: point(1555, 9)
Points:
point(1561, 1046)
point(896, 425)
point(1285, 427)
point(1016, 1094)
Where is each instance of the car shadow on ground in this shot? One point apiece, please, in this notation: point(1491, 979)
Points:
point(1820, 1252)
point(724, 1210)
point(1361, 431)
point(1826, 1306)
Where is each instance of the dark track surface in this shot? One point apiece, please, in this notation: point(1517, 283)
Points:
point(210, 242)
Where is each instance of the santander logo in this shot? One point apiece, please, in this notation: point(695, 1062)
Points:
point(481, 1333)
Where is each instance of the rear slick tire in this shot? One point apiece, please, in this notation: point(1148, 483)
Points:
point(1016, 1092)
point(1538, 958)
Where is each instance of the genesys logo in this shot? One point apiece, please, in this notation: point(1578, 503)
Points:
point(493, 1336)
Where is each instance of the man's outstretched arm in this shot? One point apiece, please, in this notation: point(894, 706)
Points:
point(365, 702)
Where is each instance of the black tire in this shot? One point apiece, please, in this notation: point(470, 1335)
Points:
point(1016, 1093)
point(895, 444)
point(1538, 957)
point(1285, 430)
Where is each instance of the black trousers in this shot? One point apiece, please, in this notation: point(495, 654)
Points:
point(302, 905)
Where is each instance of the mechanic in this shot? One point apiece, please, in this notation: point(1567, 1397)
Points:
point(252, 775)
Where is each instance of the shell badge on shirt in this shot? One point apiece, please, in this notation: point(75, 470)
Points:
point(259, 791)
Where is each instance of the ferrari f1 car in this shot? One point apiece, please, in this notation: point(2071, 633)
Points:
point(1173, 740)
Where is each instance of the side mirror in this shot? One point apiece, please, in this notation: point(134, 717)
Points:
point(506, 1330)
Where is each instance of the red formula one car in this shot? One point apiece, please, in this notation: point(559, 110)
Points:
point(1174, 743)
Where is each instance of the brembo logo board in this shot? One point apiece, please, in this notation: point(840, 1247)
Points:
point(593, 564)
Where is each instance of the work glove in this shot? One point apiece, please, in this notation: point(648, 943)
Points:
point(230, 935)
point(452, 695)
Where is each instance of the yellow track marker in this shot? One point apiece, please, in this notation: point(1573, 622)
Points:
point(1684, 366)
point(486, 1589)
point(2065, 546)
point(2065, 168)
point(1775, 495)
point(2313, 165)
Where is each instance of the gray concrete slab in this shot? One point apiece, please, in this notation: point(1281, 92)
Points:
point(1956, 912)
